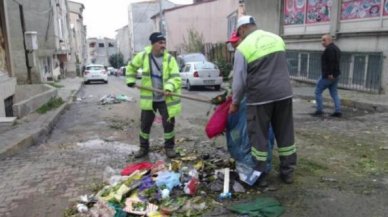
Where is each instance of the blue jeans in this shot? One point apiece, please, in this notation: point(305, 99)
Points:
point(270, 144)
point(322, 84)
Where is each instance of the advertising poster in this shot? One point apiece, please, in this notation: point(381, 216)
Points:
point(360, 9)
point(294, 12)
point(385, 8)
point(318, 11)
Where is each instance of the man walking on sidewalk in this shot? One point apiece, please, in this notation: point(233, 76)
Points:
point(330, 66)
point(261, 73)
point(160, 71)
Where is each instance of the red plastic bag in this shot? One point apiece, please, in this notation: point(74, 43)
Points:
point(218, 121)
point(128, 170)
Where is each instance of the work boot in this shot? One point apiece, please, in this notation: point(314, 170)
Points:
point(170, 152)
point(317, 114)
point(288, 179)
point(262, 181)
point(142, 152)
point(336, 115)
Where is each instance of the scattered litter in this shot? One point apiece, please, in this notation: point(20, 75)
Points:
point(328, 179)
point(384, 148)
point(185, 186)
point(111, 99)
point(82, 208)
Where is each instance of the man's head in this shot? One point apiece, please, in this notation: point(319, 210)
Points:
point(158, 42)
point(245, 25)
point(326, 40)
point(234, 40)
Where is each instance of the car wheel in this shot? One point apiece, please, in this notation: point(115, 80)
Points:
point(86, 82)
point(217, 87)
point(188, 86)
point(105, 82)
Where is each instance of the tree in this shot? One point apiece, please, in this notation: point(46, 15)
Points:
point(116, 60)
point(194, 42)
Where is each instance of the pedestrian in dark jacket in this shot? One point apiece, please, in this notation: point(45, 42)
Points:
point(330, 66)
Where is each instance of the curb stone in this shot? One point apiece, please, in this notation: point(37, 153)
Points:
point(41, 133)
point(350, 103)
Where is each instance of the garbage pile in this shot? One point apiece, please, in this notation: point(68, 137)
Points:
point(187, 186)
point(112, 99)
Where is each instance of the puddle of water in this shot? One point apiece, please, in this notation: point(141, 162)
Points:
point(114, 146)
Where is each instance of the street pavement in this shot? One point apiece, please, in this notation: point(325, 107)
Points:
point(39, 180)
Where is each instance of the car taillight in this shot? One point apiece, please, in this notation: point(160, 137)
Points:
point(195, 74)
point(86, 72)
point(103, 72)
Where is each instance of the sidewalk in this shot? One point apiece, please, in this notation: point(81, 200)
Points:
point(34, 128)
point(349, 98)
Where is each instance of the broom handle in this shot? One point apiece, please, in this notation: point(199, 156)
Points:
point(174, 94)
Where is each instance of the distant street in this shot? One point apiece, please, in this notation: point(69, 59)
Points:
point(342, 167)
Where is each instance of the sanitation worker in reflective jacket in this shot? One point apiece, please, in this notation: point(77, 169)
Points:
point(261, 73)
point(160, 71)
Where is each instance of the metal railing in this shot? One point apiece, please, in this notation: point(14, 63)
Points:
point(359, 71)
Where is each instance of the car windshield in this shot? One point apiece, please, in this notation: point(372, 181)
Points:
point(205, 65)
point(94, 67)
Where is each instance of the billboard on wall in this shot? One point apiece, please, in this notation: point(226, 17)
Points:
point(385, 8)
point(318, 11)
point(360, 9)
point(294, 12)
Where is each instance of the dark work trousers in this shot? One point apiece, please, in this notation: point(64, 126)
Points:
point(147, 118)
point(279, 114)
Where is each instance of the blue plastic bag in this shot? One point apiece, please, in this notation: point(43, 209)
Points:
point(237, 138)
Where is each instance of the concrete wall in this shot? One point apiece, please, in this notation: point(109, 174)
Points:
point(266, 12)
point(140, 23)
point(357, 35)
point(32, 103)
point(122, 40)
point(24, 92)
point(208, 18)
point(78, 34)
point(41, 16)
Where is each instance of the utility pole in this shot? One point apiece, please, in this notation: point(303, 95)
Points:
point(21, 11)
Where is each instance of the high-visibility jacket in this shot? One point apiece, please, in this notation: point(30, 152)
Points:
point(268, 78)
point(171, 80)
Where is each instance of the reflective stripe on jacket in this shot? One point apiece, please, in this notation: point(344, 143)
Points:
point(171, 80)
point(267, 72)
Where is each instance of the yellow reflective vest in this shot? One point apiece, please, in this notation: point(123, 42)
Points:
point(171, 80)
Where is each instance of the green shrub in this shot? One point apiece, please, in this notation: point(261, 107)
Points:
point(53, 103)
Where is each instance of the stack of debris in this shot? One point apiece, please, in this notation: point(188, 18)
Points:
point(112, 99)
point(188, 186)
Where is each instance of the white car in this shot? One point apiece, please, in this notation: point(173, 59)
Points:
point(95, 72)
point(201, 74)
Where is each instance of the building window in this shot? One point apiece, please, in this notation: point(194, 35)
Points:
point(110, 44)
point(92, 44)
point(101, 45)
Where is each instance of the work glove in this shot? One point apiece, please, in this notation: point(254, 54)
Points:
point(131, 84)
point(219, 99)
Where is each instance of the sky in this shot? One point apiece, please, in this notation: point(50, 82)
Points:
point(104, 17)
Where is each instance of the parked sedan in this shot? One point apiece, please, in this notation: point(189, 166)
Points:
point(201, 74)
point(95, 72)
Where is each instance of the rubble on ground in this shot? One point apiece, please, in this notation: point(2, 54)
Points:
point(112, 99)
point(189, 185)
